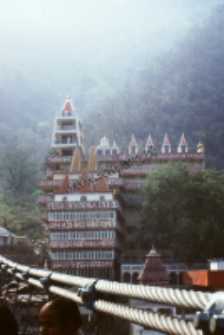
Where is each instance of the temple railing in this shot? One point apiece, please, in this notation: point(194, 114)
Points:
point(88, 295)
point(44, 199)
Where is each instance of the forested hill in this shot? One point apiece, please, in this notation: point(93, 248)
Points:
point(182, 91)
point(130, 78)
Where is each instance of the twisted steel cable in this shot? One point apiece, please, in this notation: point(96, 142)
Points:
point(147, 319)
point(136, 315)
point(176, 297)
point(180, 298)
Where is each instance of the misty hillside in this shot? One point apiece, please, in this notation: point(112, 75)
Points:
point(182, 91)
point(140, 68)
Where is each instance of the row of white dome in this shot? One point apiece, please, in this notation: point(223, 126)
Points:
point(105, 148)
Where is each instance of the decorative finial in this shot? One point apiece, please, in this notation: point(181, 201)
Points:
point(68, 97)
point(153, 249)
point(200, 148)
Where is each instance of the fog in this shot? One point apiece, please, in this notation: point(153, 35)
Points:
point(65, 42)
point(89, 49)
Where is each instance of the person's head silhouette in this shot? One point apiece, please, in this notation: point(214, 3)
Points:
point(59, 317)
point(8, 323)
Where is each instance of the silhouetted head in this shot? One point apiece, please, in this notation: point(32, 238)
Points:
point(8, 323)
point(59, 317)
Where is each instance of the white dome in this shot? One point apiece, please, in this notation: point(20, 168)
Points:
point(104, 142)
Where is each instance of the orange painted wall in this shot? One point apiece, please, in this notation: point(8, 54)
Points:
point(204, 278)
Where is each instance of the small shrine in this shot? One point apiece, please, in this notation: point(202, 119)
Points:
point(154, 272)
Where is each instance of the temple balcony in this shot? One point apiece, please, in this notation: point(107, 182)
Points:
point(115, 182)
point(133, 186)
point(85, 244)
point(49, 174)
point(43, 199)
point(71, 128)
point(44, 216)
point(64, 143)
point(49, 185)
point(91, 224)
point(88, 205)
point(59, 265)
point(56, 183)
point(54, 160)
point(137, 171)
point(107, 158)
point(66, 115)
point(190, 156)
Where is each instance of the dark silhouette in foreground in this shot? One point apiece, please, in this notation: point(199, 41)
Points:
point(59, 317)
point(8, 323)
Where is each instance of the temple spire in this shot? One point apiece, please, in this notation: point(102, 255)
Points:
point(166, 146)
point(133, 147)
point(149, 146)
point(182, 147)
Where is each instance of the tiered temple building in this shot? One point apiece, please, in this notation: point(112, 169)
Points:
point(91, 217)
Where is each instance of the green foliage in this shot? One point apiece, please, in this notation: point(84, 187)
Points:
point(20, 215)
point(18, 170)
point(184, 212)
point(19, 211)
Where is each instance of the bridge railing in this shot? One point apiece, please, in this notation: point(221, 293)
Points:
point(88, 295)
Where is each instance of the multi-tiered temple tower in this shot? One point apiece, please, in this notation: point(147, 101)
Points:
point(67, 132)
point(86, 223)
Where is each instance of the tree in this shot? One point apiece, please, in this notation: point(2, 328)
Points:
point(184, 212)
point(18, 169)
point(20, 215)
point(19, 211)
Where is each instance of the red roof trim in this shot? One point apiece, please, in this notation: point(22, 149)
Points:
point(67, 107)
point(183, 142)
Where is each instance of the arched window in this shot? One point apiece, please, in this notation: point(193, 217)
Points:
point(135, 278)
point(102, 198)
point(173, 278)
point(126, 278)
point(99, 152)
point(83, 198)
point(181, 278)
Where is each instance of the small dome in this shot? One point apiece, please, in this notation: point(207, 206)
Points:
point(153, 272)
point(104, 142)
point(200, 148)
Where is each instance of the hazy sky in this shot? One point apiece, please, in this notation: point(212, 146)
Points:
point(71, 28)
point(65, 40)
